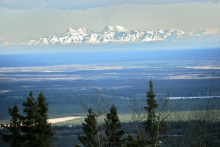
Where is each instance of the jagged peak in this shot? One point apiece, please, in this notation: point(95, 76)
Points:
point(70, 29)
point(106, 29)
point(113, 34)
point(82, 31)
point(114, 28)
point(78, 31)
point(121, 29)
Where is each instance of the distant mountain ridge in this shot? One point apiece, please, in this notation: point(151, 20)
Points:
point(119, 34)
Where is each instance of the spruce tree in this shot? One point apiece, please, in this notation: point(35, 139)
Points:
point(139, 142)
point(44, 129)
point(90, 131)
point(34, 125)
point(112, 129)
point(15, 138)
point(151, 118)
point(29, 121)
point(151, 124)
point(130, 142)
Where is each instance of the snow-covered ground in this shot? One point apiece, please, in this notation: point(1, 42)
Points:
point(62, 119)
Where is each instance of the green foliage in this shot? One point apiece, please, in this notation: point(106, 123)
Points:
point(152, 123)
point(130, 142)
point(34, 125)
point(151, 107)
point(44, 130)
point(29, 121)
point(139, 142)
point(15, 138)
point(112, 129)
point(90, 131)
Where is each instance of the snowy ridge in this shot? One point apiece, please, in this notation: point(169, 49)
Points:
point(118, 34)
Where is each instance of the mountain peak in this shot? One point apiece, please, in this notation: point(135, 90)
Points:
point(116, 28)
point(106, 29)
point(119, 34)
point(79, 31)
point(70, 30)
point(83, 31)
point(120, 28)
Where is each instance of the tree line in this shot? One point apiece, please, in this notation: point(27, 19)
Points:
point(150, 121)
point(156, 123)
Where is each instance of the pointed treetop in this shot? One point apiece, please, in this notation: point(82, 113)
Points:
point(31, 94)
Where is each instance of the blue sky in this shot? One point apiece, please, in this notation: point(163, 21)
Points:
point(22, 19)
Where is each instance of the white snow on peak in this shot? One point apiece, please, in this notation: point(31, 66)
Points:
point(120, 28)
point(119, 34)
point(82, 31)
point(116, 28)
point(161, 31)
point(79, 31)
point(71, 31)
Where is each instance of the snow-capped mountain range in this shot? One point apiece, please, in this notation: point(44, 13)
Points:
point(118, 34)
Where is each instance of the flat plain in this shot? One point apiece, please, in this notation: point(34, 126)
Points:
point(67, 78)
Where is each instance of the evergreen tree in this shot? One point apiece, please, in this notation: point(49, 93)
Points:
point(112, 129)
point(151, 124)
point(139, 142)
point(44, 129)
point(151, 118)
point(29, 121)
point(130, 138)
point(34, 125)
point(90, 131)
point(130, 142)
point(15, 138)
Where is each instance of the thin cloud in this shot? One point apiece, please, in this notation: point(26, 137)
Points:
point(85, 4)
point(17, 25)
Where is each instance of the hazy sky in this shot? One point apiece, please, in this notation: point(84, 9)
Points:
point(21, 19)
